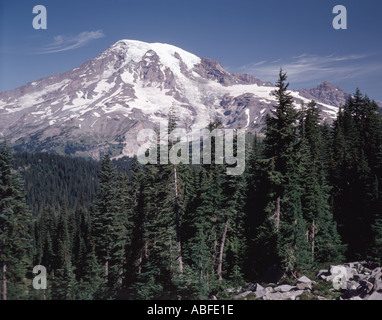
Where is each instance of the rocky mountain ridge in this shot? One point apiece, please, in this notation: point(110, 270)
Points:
point(104, 103)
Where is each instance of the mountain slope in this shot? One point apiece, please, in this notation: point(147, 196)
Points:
point(130, 86)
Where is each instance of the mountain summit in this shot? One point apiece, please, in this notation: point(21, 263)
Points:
point(106, 101)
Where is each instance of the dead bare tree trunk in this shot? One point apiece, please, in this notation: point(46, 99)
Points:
point(177, 218)
point(313, 236)
point(220, 263)
point(4, 281)
point(214, 255)
point(107, 271)
point(140, 260)
point(276, 215)
point(121, 274)
point(278, 210)
point(171, 255)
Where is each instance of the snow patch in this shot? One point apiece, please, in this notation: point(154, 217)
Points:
point(135, 50)
point(103, 86)
point(248, 117)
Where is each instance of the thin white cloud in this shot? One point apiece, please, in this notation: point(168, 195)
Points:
point(259, 63)
point(64, 43)
point(312, 68)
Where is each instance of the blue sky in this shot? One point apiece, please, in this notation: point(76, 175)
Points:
point(248, 36)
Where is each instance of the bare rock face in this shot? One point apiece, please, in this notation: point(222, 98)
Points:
point(213, 70)
point(248, 79)
point(326, 93)
point(104, 103)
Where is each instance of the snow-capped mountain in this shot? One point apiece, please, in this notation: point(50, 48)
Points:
point(106, 101)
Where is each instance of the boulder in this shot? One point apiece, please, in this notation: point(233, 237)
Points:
point(339, 276)
point(273, 296)
point(371, 265)
point(357, 292)
point(291, 295)
point(375, 296)
point(377, 275)
point(362, 292)
point(261, 292)
point(367, 285)
point(366, 271)
point(358, 266)
point(304, 283)
point(304, 286)
point(352, 285)
point(304, 279)
point(359, 277)
point(251, 287)
point(322, 274)
point(339, 271)
point(233, 290)
point(377, 286)
point(259, 287)
point(285, 288)
point(351, 272)
point(242, 295)
point(376, 271)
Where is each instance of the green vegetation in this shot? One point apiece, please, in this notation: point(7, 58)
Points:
point(311, 194)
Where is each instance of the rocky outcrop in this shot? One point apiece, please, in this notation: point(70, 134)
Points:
point(213, 70)
point(276, 292)
point(326, 93)
point(356, 280)
point(349, 281)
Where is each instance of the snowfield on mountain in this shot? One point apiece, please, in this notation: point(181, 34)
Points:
point(105, 102)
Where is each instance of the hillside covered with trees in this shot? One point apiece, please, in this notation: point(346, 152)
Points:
point(311, 194)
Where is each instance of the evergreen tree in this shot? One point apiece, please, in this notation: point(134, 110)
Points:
point(64, 280)
point(356, 172)
point(109, 228)
point(15, 236)
point(282, 164)
point(137, 250)
point(321, 228)
point(91, 284)
point(293, 247)
point(45, 230)
point(181, 231)
point(234, 190)
point(121, 231)
point(162, 242)
point(260, 231)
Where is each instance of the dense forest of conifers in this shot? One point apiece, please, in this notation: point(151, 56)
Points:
point(311, 194)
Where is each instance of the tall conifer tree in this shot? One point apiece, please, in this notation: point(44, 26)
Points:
point(15, 228)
